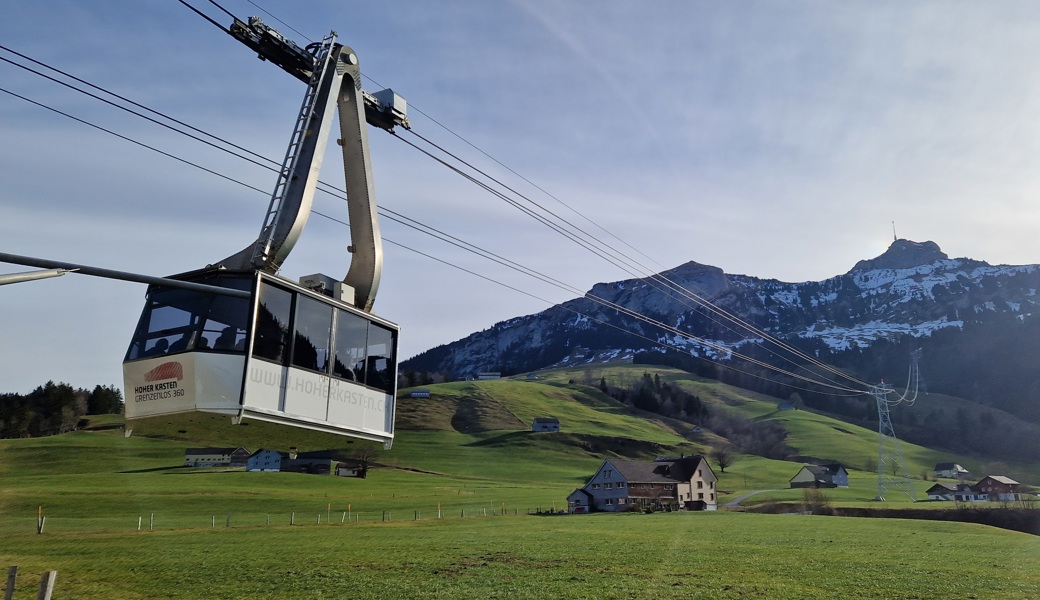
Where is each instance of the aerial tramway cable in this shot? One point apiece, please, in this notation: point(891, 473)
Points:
point(530, 272)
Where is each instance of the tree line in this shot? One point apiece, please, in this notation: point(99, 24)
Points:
point(54, 408)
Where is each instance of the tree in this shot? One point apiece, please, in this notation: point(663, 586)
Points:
point(723, 457)
point(107, 400)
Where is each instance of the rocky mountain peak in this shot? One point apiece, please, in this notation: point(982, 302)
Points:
point(903, 254)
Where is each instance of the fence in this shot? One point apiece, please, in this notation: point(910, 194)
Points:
point(47, 579)
point(326, 516)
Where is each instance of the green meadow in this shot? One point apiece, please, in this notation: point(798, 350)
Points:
point(459, 508)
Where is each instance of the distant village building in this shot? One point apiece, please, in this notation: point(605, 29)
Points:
point(531, 377)
point(319, 462)
point(951, 470)
point(833, 475)
point(545, 424)
point(992, 488)
point(350, 468)
point(419, 394)
point(216, 457)
point(668, 483)
point(265, 461)
point(489, 375)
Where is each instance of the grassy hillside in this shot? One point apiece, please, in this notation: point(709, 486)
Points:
point(467, 455)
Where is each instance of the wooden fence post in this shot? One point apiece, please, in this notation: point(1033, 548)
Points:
point(12, 573)
point(46, 585)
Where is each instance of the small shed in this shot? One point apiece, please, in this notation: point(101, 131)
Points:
point(419, 394)
point(545, 424)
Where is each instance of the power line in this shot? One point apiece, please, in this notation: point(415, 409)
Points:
point(615, 254)
point(701, 341)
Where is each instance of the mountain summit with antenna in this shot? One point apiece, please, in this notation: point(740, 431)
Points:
point(903, 254)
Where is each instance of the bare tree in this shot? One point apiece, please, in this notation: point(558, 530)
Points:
point(723, 457)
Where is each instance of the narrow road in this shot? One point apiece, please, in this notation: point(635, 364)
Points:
point(735, 503)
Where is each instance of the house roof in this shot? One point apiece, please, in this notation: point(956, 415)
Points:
point(1000, 479)
point(944, 487)
point(546, 420)
point(582, 492)
point(948, 466)
point(660, 471)
point(211, 450)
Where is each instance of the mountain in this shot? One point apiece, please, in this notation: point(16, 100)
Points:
point(974, 322)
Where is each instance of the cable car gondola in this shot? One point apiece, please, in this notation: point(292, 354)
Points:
point(249, 343)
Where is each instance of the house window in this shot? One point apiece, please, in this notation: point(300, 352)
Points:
point(622, 500)
point(621, 484)
point(608, 501)
point(711, 485)
point(711, 497)
point(668, 486)
point(608, 485)
point(606, 474)
point(700, 496)
point(700, 472)
point(700, 484)
point(595, 486)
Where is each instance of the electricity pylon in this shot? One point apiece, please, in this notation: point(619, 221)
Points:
point(892, 473)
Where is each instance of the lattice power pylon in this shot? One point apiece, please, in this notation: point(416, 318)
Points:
point(892, 473)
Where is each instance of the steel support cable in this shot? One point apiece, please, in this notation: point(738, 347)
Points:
point(129, 101)
point(708, 305)
point(132, 141)
point(133, 112)
point(528, 181)
point(588, 316)
point(531, 273)
point(167, 126)
point(669, 285)
point(512, 202)
point(226, 11)
point(205, 16)
point(270, 14)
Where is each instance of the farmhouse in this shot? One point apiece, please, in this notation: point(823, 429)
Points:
point(821, 476)
point(947, 491)
point(545, 424)
point(999, 488)
point(265, 460)
point(216, 457)
point(664, 484)
point(996, 488)
point(319, 462)
point(949, 470)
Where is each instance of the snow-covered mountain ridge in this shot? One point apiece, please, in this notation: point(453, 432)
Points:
point(909, 295)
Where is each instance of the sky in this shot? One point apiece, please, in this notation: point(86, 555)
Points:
point(779, 140)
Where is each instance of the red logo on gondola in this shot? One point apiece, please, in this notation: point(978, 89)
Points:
point(169, 370)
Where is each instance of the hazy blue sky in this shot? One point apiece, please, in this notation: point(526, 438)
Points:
point(775, 139)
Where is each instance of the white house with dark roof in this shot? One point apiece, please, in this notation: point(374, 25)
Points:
point(949, 470)
point(832, 475)
point(664, 484)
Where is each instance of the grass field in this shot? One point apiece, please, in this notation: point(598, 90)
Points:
point(446, 513)
point(666, 555)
